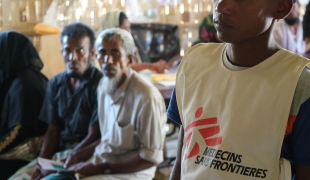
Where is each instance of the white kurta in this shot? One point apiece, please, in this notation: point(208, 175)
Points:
point(287, 40)
point(132, 123)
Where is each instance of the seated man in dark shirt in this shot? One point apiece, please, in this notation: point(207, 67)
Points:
point(70, 106)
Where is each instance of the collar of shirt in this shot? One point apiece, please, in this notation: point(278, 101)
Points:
point(89, 76)
point(120, 92)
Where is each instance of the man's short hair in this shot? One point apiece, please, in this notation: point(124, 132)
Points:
point(78, 30)
point(116, 33)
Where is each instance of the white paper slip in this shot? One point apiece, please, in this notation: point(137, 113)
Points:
point(47, 164)
point(22, 176)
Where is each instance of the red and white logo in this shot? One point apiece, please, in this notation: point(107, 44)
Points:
point(207, 134)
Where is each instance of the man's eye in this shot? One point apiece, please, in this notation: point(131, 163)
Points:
point(80, 51)
point(103, 53)
point(115, 53)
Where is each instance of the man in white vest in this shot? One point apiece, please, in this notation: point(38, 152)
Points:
point(244, 104)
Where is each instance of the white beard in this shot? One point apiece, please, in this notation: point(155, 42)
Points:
point(109, 84)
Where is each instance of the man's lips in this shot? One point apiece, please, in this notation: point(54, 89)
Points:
point(74, 66)
point(110, 70)
point(222, 23)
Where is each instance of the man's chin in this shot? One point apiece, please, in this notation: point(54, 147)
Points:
point(75, 74)
point(110, 74)
point(110, 84)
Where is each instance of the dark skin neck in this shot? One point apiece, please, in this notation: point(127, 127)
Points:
point(74, 83)
point(253, 51)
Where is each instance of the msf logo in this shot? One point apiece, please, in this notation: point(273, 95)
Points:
point(207, 133)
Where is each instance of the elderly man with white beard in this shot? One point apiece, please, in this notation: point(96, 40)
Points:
point(131, 117)
point(288, 32)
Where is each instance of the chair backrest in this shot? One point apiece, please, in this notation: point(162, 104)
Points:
point(156, 41)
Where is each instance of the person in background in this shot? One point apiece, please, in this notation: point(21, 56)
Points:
point(306, 27)
point(22, 90)
point(243, 104)
point(70, 105)
point(207, 34)
point(118, 19)
point(207, 31)
point(288, 32)
point(131, 117)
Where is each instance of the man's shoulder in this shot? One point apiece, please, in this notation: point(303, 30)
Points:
point(302, 92)
point(294, 61)
point(288, 56)
point(304, 79)
point(58, 77)
point(205, 46)
point(94, 81)
point(140, 86)
point(306, 71)
point(201, 51)
point(95, 76)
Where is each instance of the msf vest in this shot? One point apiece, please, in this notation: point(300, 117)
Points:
point(234, 121)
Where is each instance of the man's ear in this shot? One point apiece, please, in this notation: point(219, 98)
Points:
point(131, 59)
point(284, 8)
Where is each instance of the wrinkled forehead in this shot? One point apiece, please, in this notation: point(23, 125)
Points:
point(106, 41)
point(109, 44)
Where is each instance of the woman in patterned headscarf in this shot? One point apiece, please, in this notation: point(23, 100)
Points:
point(22, 90)
point(118, 19)
point(207, 32)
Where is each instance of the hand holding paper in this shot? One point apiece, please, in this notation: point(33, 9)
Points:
point(50, 165)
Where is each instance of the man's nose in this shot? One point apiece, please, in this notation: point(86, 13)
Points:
point(224, 6)
point(108, 59)
point(73, 56)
